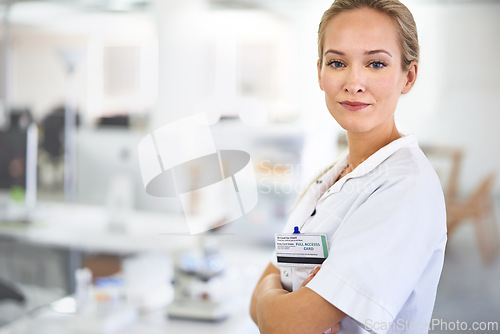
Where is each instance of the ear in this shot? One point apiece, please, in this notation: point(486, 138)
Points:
point(318, 64)
point(411, 77)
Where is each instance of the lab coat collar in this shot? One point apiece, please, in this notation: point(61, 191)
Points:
point(369, 164)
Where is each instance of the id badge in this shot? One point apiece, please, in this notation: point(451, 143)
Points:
point(302, 249)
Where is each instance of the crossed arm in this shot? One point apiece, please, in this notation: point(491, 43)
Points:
point(276, 310)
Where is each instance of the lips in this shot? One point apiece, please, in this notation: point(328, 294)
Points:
point(354, 105)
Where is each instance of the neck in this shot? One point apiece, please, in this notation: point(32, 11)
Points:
point(364, 144)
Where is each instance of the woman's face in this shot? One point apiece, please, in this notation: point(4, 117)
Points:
point(361, 74)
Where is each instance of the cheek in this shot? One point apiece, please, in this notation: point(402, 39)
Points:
point(330, 85)
point(387, 88)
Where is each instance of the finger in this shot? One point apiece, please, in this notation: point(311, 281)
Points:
point(333, 330)
point(315, 270)
point(307, 280)
point(311, 275)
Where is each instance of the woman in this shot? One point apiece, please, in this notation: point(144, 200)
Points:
point(381, 205)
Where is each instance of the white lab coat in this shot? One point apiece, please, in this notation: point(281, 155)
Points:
point(386, 224)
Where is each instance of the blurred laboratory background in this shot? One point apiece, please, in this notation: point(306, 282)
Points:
point(85, 249)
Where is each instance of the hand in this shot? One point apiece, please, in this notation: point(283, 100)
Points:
point(336, 328)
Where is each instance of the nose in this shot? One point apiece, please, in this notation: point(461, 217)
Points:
point(354, 81)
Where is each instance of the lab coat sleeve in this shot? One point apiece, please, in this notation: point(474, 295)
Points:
point(382, 248)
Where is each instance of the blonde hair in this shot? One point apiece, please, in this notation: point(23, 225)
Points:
point(398, 12)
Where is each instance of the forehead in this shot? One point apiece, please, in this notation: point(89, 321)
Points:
point(361, 30)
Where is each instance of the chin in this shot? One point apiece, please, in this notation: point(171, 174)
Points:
point(352, 125)
point(356, 129)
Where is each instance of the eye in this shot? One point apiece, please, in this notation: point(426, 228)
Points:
point(335, 64)
point(377, 64)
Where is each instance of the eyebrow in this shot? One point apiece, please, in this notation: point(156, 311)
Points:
point(378, 51)
point(371, 52)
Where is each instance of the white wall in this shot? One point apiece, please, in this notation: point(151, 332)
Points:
point(39, 79)
point(455, 100)
point(213, 60)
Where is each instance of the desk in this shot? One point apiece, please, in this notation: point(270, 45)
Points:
point(76, 228)
point(85, 228)
point(244, 273)
point(152, 324)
